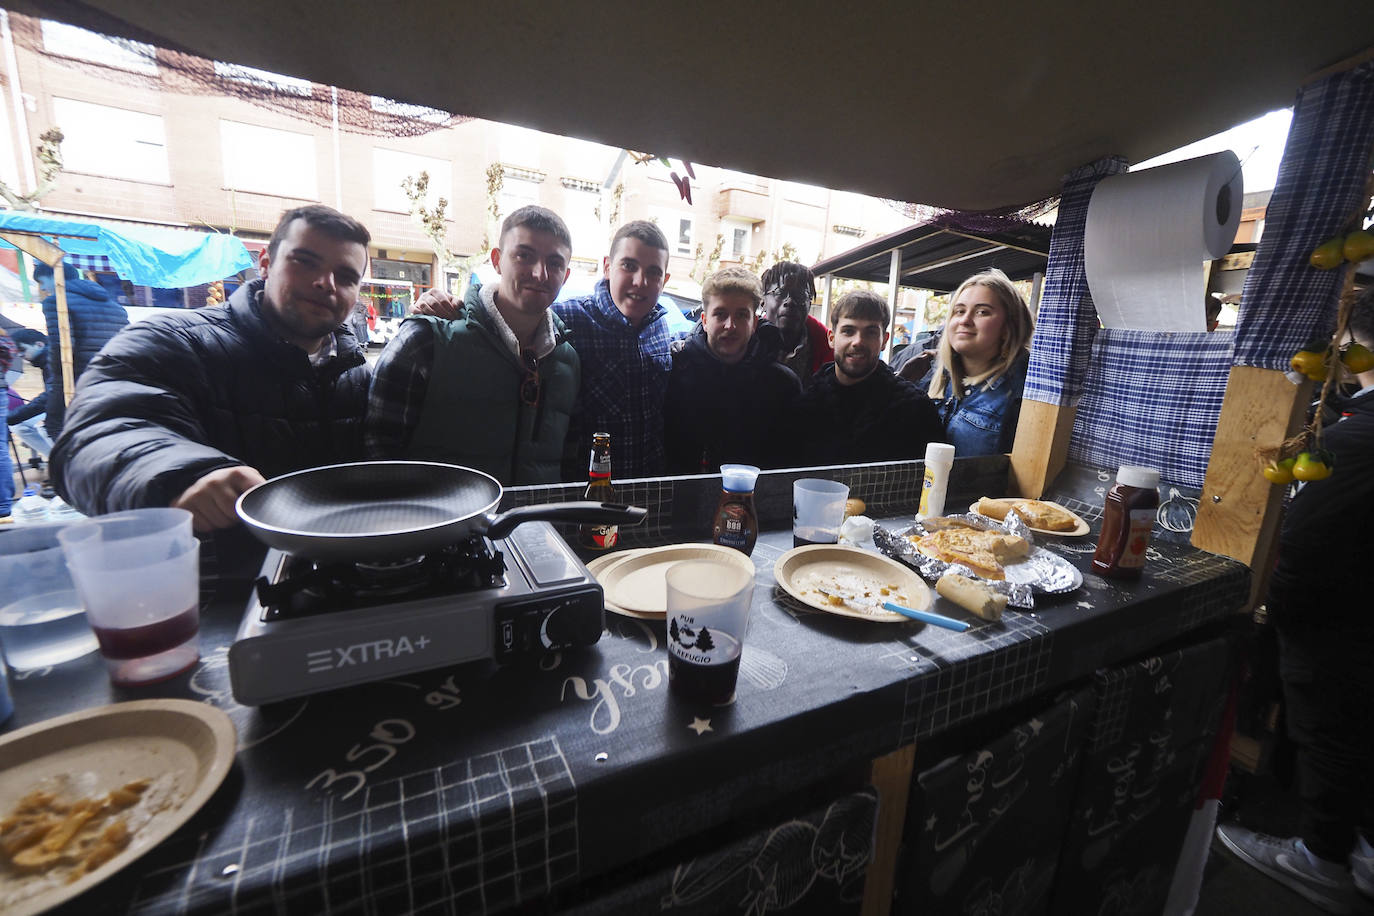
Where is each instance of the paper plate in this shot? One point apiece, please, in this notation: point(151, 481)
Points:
point(1080, 529)
point(848, 570)
point(185, 747)
point(599, 566)
point(637, 583)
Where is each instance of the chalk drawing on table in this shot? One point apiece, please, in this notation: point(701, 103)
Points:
point(479, 835)
point(762, 668)
point(777, 870)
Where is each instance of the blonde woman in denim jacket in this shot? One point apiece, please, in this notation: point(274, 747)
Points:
point(980, 368)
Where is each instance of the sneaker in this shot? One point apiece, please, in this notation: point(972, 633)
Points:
point(1362, 870)
point(1285, 860)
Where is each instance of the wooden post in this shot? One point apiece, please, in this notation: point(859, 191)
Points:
point(43, 250)
point(1041, 448)
point(891, 776)
point(1238, 514)
point(826, 290)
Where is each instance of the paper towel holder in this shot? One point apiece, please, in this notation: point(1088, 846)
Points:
point(1224, 204)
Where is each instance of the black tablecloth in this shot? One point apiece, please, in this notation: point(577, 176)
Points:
point(486, 787)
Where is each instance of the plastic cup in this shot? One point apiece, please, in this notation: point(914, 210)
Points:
point(708, 611)
point(139, 575)
point(817, 511)
point(42, 619)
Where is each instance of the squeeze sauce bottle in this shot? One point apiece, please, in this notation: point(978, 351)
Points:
point(939, 460)
point(736, 524)
point(1128, 518)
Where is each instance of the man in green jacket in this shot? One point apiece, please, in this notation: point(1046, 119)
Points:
point(493, 388)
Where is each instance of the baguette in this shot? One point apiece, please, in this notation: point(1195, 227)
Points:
point(973, 596)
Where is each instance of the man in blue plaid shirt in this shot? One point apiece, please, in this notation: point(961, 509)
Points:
point(621, 334)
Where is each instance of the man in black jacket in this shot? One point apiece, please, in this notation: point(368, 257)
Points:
point(1319, 601)
point(856, 409)
point(193, 408)
point(726, 391)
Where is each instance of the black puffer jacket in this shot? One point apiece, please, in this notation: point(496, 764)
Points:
point(94, 318)
point(882, 418)
point(717, 413)
point(174, 397)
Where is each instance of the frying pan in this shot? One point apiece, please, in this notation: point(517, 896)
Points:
point(391, 509)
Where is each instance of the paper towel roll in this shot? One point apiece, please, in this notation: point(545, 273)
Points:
point(1147, 237)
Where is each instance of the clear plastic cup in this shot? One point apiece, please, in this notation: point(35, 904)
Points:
point(42, 620)
point(817, 511)
point(138, 574)
point(708, 612)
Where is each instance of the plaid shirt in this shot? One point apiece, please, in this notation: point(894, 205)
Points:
point(624, 380)
point(397, 396)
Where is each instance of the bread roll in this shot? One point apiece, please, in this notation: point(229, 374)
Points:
point(973, 596)
point(854, 507)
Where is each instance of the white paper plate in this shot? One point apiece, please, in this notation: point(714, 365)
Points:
point(802, 570)
point(186, 747)
point(637, 583)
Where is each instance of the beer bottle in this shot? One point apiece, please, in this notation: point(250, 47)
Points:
point(599, 537)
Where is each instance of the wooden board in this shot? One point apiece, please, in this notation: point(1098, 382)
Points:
point(1041, 448)
point(1239, 512)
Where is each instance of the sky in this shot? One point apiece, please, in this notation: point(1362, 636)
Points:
point(1258, 144)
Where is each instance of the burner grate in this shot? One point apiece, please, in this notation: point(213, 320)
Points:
point(303, 587)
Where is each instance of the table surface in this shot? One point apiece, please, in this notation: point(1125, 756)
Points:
point(488, 786)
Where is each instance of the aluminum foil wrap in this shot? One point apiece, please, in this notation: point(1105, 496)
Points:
point(1042, 571)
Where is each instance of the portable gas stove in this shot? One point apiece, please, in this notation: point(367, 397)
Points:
point(312, 627)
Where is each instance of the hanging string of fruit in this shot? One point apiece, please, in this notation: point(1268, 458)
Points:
point(1302, 457)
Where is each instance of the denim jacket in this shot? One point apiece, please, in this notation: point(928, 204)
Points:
point(983, 422)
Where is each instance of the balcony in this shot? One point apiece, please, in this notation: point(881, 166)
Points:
point(746, 202)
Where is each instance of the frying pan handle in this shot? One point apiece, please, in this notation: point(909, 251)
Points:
point(590, 512)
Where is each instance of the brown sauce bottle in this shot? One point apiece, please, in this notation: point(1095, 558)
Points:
point(1128, 518)
point(735, 523)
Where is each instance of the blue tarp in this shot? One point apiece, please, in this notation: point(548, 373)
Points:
point(143, 255)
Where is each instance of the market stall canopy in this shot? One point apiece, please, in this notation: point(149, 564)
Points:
point(940, 254)
point(144, 255)
point(962, 106)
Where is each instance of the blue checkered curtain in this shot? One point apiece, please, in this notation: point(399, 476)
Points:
point(1152, 398)
point(1067, 319)
point(1321, 180)
point(89, 262)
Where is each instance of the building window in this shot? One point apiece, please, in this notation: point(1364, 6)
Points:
point(579, 212)
point(115, 142)
point(806, 242)
point(739, 243)
point(263, 79)
point(268, 161)
point(390, 168)
point(520, 146)
point(680, 233)
point(70, 41)
point(804, 193)
point(407, 110)
point(516, 193)
point(415, 272)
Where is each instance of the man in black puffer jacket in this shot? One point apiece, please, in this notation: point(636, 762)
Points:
point(93, 319)
point(727, 391)
point(856, 409)
point(193, 408)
